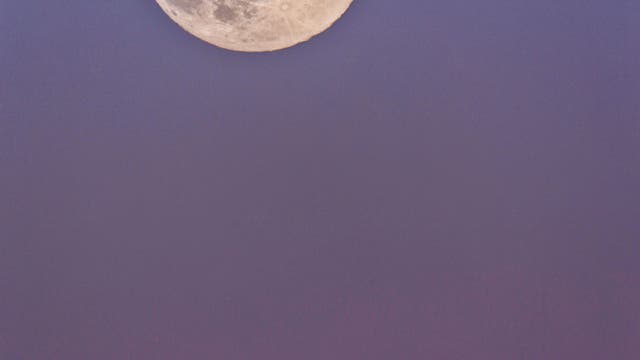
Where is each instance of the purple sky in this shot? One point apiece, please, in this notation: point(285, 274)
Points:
point(447, 179)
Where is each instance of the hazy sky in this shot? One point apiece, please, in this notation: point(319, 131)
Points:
point(446, 179)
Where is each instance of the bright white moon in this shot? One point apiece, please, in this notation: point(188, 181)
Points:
point(254, 25)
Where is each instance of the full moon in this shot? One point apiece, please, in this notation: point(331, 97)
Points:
point(254, 25)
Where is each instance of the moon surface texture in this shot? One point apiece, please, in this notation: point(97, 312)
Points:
point(254, 25)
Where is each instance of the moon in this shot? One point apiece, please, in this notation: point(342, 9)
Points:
point(254, 25)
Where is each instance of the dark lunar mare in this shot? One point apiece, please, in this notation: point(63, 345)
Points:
point(226, 11)
point(188, 6)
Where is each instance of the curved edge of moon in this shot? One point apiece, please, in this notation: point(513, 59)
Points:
point(267, 26)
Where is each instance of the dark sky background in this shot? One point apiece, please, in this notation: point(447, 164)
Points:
point(442, 179)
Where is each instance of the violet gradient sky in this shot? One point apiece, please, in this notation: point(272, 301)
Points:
point(430, 179)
